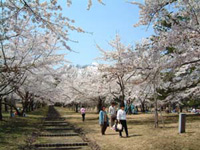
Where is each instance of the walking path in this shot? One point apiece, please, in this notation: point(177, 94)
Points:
point(59, 135)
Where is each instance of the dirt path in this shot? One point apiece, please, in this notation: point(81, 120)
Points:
point(57, 134)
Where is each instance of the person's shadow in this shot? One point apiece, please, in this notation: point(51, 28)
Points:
point(134, 135)
point(112, 134)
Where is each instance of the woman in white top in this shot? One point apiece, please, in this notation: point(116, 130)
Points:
point(121, 117)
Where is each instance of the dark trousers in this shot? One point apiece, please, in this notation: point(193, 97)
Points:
point(112, 118)
point(83, 117)
point(124, 126)
point(103, 128)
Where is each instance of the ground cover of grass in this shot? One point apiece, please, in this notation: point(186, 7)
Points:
point(143, 135)
point(15, 131)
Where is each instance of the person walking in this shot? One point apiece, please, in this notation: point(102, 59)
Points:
point(103, 120)
point(83, 110)
point(121, 117)
point(112, 113)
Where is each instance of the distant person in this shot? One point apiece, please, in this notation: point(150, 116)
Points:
point(193, 110)
point(197, 111)
point(16, 113)
point(24, 114)
point(121, 117)
point(112, 113)
point(167, 110)
point(83, 110)
point(103, 120)
point(136, 109)
point(132, 108)
point(128, 107)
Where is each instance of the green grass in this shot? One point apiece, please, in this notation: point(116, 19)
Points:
point(15, 131)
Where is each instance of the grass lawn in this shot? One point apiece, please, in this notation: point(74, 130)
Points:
point(14, 131)
point(143, 135)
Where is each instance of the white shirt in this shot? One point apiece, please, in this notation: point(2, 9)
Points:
point(111, 110)
point(121, 115)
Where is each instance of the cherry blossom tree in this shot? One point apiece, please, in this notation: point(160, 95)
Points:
point(25, 55)
point(176, 25)
point(84, 85)
point(116, 70)
point(30, 33)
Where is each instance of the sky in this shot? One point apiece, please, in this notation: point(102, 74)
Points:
point(104, 22)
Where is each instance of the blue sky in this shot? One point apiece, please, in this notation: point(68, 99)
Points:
point(104, 21)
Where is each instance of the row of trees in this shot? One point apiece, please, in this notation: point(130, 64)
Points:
point(165, 65)
point(31, 35)
point(176, 46)
point(161, 68)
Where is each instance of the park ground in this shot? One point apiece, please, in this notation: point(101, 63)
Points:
point(19, 131)
point(143, 135)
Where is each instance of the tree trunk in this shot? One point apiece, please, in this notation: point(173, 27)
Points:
point(181, 109)
point(156, 107)
point(122, 98)
point(1, 116)
point(26, 106)
point(32, 103)
point(6, 106)
point(143, 107)
point(156, 114)
point(29, 107)
point(32, 106)
point(43, 104)
point(38, 105)
point(76, 108)
point(100, 104)
point(170, 108)
point(11, 111)
point(120, 82)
